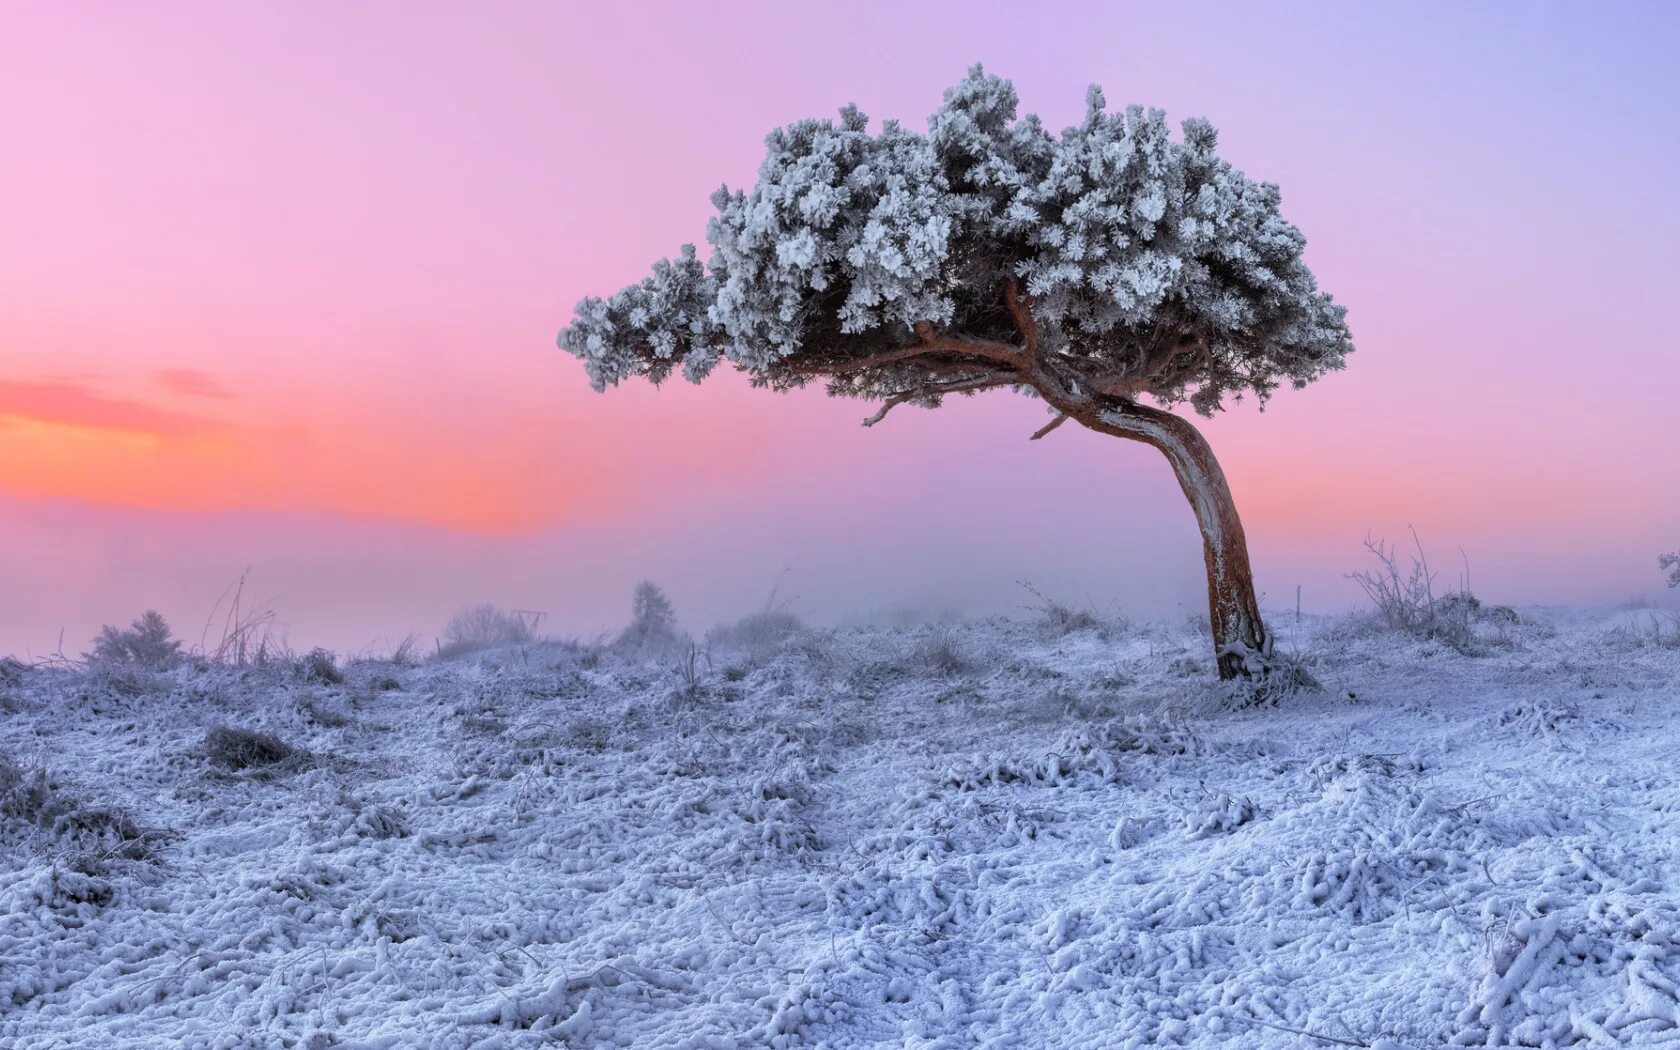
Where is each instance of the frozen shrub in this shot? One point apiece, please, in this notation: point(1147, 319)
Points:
point(653, 623)
point(757, 635)
point(1653, 629)
point(245, 748)
point(407, 652)
point(589, 734)
point(1060, 618)
point(939, 653)
point(1406, 600)
point(23, 795)
point(482, 627)
point(32, 797)
point(1218, 813)
point(690, 666)
point(11, 671)
point(1500, 614)
point(1671, 562)
point(321, 667)
point(382, 822)
point(1400, 600)
point(146, 645)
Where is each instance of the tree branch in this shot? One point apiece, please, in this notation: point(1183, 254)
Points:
point(980, 382)
point(1020, 308)
point(887, 406)
point(872, 361)
point(985, 349)
point(1048, 427)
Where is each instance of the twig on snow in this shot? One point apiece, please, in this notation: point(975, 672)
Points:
point(1303, 1032)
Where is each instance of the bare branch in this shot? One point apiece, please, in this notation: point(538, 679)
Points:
point(932, 390)
point(1301, 1032)
point(887, 406)
point(1048, 427)
point(980, 382)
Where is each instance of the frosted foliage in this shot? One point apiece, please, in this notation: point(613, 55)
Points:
point(146, 644)
point(1671, 562)
point(1149, 264)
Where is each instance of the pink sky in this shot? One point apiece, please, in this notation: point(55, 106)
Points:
point(279, 285)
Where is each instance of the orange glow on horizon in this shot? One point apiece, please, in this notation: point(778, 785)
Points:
point(62, 440)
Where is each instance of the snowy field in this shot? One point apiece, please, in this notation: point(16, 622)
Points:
point(1000, 834)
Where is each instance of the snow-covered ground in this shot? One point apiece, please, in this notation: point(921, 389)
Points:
point(995, 834)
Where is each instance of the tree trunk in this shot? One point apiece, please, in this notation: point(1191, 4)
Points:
point(1240, 640)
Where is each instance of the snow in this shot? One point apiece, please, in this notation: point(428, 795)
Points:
point(862, 838)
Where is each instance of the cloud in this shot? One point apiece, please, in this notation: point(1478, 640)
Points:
point(65, 403)
point(191, 382)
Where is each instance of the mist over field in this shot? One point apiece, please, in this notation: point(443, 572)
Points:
point(354, 588)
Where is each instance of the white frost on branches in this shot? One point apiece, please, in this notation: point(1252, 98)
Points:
point(1149, 264)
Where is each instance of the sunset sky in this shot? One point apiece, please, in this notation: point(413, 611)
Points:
point(279, 285)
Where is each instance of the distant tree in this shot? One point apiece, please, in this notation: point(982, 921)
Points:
point(1091, 270)
point(145, 645)
point(1671, 562)
point(653, 623)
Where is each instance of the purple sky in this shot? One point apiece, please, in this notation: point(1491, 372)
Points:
point(279, 287)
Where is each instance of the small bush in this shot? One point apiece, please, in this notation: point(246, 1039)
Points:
point(321, 667)
point(382, 822)
point(11, 671)
point(1406, 600)
point(938, 652)
point(757, 635)
point(482, 627)
point(24, 795)
point(1059, 618)
point(589, 734)
point(244, 748)
point(1671, 562)
point(689, 671)
point(407, 652)
point(32, 797)
point(146, 645)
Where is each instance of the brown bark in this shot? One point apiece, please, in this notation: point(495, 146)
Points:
point(1240, 640)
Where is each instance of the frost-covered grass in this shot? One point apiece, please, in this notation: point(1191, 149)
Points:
point(988, 834)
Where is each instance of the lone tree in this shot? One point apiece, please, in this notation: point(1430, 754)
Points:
point(1092, 270)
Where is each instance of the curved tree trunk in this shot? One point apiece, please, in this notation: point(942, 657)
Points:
point(1241, 643)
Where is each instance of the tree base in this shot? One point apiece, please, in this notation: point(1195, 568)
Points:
point(1257, 679)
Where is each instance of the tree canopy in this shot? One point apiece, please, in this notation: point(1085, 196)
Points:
point(904, 266)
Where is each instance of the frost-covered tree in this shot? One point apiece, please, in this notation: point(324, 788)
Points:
point(1671, 562)
point(1111, 271)
point(653, 622)
point(146, 645)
